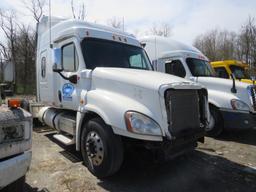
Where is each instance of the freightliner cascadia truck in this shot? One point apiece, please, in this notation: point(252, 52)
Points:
point(101, 94)
point(232, 104)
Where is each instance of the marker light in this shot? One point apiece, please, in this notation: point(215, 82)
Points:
point(14, 103)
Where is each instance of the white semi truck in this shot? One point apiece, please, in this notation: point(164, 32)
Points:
point(15, 146)
point(232, 104)
point(100, 93)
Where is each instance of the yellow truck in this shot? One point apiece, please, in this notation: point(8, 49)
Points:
point(225, 68)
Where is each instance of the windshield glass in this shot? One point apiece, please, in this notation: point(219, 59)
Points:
point(103, 53)
point(239, 72)
point(200, 67)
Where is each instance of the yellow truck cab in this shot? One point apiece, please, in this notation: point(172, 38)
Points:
point(225, 68)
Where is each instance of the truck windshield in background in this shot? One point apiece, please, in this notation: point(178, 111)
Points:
point(199, 68)
point(239, 72)
point(103, 53)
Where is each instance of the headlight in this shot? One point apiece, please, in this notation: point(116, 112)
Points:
point(141, 124)
point(12, 133)
point(239, 105)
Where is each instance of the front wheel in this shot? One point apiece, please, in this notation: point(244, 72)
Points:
point(215, 126)
point(101, 149)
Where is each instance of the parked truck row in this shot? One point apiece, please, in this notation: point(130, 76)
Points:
point(100, 93)
point(97, 87)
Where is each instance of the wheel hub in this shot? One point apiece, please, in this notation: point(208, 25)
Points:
point(94, 148)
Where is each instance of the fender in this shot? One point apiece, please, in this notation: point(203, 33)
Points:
point(220, 99)
point(110, 107)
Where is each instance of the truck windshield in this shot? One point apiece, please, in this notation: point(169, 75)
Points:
point(104, 53)
point(200, 68)
point(239, 72)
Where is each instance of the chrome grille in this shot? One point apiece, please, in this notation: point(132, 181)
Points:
point(183, 111)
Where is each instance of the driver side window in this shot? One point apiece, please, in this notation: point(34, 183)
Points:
point(69, 58)
point(175, 68)
point(221, 72)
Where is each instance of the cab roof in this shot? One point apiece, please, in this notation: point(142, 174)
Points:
point(164, 46)
point(63, 29)
point(229, 62)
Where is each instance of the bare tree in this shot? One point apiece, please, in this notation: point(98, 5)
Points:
point(115, 22)
point(18, 49)
point(8, 25)
point(36, 7)
point(80, 12)
point(208, 44)
point(248, 41)
point(161, 30)
point(221, 45)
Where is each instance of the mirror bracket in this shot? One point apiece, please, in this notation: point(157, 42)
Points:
point(71, 79)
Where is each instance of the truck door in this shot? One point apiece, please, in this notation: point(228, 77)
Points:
point(67, 93)
point(45, 79)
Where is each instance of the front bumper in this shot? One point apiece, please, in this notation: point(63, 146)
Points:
point(238, 120)
point(14, 168)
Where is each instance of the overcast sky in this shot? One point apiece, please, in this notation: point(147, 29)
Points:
point(188, 18)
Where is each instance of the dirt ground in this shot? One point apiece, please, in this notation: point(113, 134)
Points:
point(224, 164)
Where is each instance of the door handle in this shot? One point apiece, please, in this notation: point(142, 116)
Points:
point(60, 96)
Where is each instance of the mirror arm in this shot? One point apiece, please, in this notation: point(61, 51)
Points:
point(64, 77)
point(233, 89)
point(72, 79)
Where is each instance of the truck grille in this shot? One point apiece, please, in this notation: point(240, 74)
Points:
point(252, 94)
point(185, 112)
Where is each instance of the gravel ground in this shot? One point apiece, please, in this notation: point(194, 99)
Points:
point(224, 164)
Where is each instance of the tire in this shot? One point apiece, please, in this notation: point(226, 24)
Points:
point(101, 149)
point(16, 186)
point(216, 123)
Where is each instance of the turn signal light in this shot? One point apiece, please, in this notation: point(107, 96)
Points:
point(14, 103)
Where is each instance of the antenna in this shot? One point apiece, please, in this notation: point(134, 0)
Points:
point(123, 23)
point(50, 24)
point(156, 60)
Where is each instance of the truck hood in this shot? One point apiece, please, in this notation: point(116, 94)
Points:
point(221, 84)
point(219, 87)
point(138, 78)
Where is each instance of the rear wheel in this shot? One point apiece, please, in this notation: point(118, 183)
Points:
point(215, 126)
point(101, 149)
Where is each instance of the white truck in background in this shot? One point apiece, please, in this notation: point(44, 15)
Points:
point(15, 147)
point(101, 94)
point(232, 104)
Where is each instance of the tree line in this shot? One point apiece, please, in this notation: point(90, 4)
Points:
point(224, 45)
point(19, 46)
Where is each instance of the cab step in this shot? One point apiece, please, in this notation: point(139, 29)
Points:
point(64, 139)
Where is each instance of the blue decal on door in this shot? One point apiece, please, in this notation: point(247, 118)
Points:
point(67, 91)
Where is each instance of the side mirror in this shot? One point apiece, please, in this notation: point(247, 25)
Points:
point(73, 79)
point(57, 66)
point(233, 89)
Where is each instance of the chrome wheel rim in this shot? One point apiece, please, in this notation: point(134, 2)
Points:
point(94, 148)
